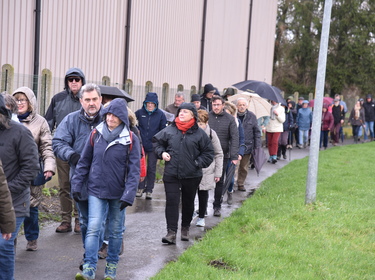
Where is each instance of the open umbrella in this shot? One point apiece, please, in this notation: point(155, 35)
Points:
point(115, 92)
point(258, 105)
point(228, 179)
point(259, 158)
point(326, 100)
point(263, 89)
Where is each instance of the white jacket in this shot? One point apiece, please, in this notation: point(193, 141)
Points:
point(276, 125)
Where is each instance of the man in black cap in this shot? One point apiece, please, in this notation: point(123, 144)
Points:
point(208, 92)
point(63, 103)
point(196, 100)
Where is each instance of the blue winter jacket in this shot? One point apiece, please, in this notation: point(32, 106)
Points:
point(150, 123)
point(71, 135)
point(304, 118)
point(112, 170)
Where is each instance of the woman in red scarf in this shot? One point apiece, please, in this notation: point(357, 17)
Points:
point(186, 149)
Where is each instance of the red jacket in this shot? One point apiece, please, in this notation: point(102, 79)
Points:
point(327, 121)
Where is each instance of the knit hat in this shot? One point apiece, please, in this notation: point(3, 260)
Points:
point(195, 97)
point(208, 88)
point(301, 98)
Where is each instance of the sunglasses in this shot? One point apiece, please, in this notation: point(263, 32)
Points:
point(74, 79)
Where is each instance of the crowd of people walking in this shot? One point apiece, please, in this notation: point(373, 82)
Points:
point(106, 157)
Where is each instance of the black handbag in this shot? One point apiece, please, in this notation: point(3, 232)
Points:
point(40, 179)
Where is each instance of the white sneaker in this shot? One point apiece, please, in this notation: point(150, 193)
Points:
point(139, 193)
point(200, 222)
point(195, 214)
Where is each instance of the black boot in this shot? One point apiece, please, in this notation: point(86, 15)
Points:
point(170, 238)
point(185, 233)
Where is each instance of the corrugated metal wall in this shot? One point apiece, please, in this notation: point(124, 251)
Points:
point(164, 45)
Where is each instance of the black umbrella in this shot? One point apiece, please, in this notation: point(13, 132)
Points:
point(228, 179)
point(115, 93)
point(259, 158)
point(262, 89)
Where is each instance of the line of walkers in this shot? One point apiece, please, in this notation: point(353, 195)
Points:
point(106, 156)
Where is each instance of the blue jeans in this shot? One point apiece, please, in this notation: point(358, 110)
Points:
point(97, 209)
point(303, 136)
point(369, 126)
point(31, 224)
point(7, 256)
point(324, 138)
point(149, 182)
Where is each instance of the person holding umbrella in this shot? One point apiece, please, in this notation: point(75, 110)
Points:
point(274, 129)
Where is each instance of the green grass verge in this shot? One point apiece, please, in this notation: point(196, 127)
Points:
point(275, 235)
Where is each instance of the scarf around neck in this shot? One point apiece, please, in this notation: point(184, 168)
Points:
point(109, 135)
point(184, 126)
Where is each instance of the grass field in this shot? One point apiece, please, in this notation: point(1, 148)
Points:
point(275, 235)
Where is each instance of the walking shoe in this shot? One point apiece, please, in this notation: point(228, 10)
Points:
point(241, 188)
point(195, 214)
point(88, 273)
point(170, 238)
point(77, 226)
point(110, 271)
point(81, 263)
point(139, 193)
point(64, 227)
point(200, 222)
point(103, 252)
point(284, 156)
point(217, 212)
point(230, 198)
point(32, 245)
point(148, 195)
point(185, 233)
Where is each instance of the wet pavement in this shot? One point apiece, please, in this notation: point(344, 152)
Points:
point(59, 254)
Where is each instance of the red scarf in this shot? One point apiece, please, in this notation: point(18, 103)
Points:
point(184, 126)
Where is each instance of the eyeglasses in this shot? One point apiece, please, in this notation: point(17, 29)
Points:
point(21, 101)
point(77, 79)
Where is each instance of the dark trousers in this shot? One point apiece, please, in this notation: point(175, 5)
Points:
point(219, 186)
point(335, 132)
point(203, 200)
point(355, 129)
point(31, 225)
point(173, 188)
point(324, 138)
point(149, 182)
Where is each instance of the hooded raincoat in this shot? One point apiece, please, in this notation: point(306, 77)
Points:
point(112, 170)
point(42, 137)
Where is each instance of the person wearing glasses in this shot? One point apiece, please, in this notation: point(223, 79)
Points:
point(26, 102)
point(63, 103)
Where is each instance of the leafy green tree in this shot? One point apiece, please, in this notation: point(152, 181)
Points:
point(351, 54)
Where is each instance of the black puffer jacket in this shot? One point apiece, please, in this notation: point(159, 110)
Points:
point(64, 102)
point(251, 131)
point(369, 108)
point(226, 129)
point(190, 152)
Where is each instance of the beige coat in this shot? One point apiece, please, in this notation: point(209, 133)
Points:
point(7, 214)
point(43, 139)
point(276, 125)
point(216, 167)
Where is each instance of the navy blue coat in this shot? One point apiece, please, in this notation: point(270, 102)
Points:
point(112, 170)
point(150, 123)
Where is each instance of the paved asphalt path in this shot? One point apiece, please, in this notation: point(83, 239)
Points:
point(59, 254)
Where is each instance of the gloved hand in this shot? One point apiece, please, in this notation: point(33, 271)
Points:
point(124, 204)
point(76, 196)
point(74, 158)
